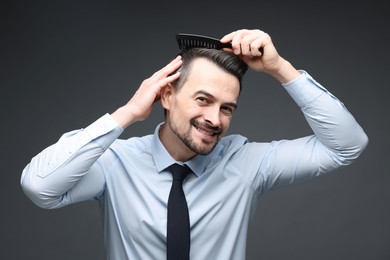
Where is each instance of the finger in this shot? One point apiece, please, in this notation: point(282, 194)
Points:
point(246, 44)
point(171, 67)
point(240, 47)
point(162, 77)
point(252, 43)
point(164, 81)
point(230, 37)
point(236, 43)
point(257, 47)
point(171, 78)
point(227, 38)
point(168, 69)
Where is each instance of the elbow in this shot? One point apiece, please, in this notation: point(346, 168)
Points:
point(361, 145)
point(37, 193)
point(36, 196)
point(350, 153)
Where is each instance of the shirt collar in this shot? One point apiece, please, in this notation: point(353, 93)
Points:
point(163, 159)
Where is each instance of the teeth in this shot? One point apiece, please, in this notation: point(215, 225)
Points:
point(205, 132)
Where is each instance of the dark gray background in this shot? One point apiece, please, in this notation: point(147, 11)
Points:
point(66, 63)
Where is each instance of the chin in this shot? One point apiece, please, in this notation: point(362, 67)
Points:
point(205, 149)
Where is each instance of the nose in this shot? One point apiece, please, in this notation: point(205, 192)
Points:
point(212, 115)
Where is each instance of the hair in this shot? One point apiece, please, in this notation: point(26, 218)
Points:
point(229, 62)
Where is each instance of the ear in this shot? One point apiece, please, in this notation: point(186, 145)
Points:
point(166, 96)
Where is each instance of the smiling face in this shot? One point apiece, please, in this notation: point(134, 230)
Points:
point(198, 113)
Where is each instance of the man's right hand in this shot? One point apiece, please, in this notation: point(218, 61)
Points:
point(140, 105)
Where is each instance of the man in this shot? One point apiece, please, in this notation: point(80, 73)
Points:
point(199, 91)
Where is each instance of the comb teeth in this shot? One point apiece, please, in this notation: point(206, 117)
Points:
point(188, 41)
point(195, 43)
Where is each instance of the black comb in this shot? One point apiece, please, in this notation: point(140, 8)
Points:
point(188, 41)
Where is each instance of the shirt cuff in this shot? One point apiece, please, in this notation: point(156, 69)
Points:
point(101, 126)
point(305, 89)
point(105, 126)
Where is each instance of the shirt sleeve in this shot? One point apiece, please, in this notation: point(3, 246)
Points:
point(63, 173)
point(337, 141)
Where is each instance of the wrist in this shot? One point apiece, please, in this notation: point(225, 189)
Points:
point(123, 116)
point(284, 72)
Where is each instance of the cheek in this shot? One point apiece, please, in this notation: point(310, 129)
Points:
point(191, 111)
point(225, 123)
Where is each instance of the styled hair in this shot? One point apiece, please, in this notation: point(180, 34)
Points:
point(229, 62)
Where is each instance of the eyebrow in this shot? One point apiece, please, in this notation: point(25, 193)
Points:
point(232, 104)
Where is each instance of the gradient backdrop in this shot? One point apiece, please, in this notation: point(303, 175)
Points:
point(63, 64)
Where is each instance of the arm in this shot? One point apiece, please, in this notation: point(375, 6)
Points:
point(57, 175)
point(338, 139)
point(66, 172)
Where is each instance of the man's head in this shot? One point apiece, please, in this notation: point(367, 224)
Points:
point(225, 60)
point(200, 104)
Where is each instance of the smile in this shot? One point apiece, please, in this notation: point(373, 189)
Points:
point(206, 132)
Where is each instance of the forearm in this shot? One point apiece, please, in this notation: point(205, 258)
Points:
point(334, 126)
point(59, 168)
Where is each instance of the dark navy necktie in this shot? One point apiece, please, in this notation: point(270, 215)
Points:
point(178, 227)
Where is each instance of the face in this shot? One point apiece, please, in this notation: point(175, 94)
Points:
point(199, 114)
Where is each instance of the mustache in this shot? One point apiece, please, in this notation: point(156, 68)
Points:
point(215, 129)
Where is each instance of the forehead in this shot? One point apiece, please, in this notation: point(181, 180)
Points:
point(206, 74)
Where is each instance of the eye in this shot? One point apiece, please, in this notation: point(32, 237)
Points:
point(202, 100)
point(227, 110)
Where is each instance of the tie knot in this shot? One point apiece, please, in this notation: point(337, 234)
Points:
point(179, 172)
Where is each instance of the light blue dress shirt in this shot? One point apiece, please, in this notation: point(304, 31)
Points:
point(129, 179)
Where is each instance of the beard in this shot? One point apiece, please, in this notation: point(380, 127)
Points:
point(205, 147)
